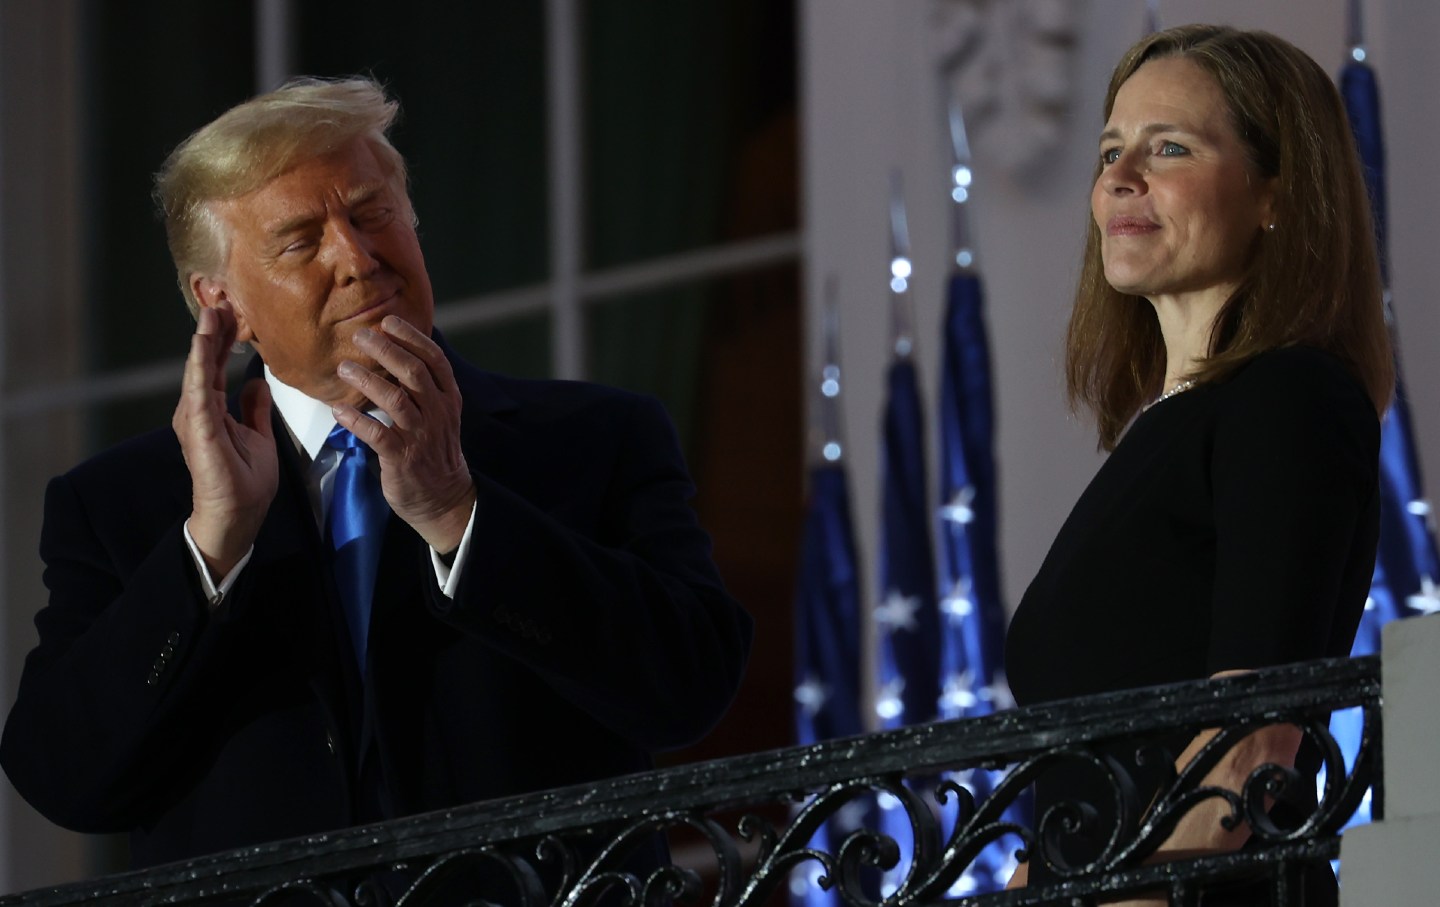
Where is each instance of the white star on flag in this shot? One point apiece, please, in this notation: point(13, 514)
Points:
point(850, 816)
point(1421, 508)
point(812, 695)
point(959, 692)
point(957, 605)
point(805, 877)
point(1427, 600)
point(1005, 870)
point(964, 885)
point(897, 612)
point(889, 705)
point(958, 509)
point(998, 694)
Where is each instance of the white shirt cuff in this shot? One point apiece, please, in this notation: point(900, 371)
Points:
point(448, 575)
point(214, 594)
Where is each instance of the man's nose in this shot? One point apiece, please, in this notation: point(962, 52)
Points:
point(352, 252)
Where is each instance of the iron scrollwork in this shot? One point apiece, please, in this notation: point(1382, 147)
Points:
point(598, 846)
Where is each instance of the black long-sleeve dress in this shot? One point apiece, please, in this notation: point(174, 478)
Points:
point(1233, 527)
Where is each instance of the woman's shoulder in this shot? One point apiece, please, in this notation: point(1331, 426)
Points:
point(1297, 399)
point(1294, 362)
point(1297, 376)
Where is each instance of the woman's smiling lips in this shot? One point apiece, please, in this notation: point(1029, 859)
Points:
point(1124, 225)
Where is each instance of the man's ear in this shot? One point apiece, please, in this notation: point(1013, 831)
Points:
point(212, 292)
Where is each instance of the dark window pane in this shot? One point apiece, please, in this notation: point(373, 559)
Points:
point(471, 83)
point(113, 422)
point(520, 347)
point(153, 72)
point(650, 342)
point(680, 98)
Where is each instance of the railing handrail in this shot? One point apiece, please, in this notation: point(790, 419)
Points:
point(744, 781)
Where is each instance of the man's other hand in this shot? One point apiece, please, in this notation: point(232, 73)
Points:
point(234, 470)
point(422, 469)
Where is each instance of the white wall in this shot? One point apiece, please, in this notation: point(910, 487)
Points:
point(870, 104)
point(1392, 861)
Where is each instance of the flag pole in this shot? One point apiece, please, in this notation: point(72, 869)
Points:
point(961, 176)
point(831, 445)
point(907, 617)
point(902, 308)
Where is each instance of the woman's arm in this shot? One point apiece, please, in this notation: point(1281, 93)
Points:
point(1200, 830)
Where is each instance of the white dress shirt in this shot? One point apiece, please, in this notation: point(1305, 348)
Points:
point(309, 422)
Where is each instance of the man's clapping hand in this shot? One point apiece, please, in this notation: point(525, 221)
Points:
point(422, 469)
point(234, 471)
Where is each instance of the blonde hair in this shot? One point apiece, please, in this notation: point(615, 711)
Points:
point(254, 142)
point(1314, 280)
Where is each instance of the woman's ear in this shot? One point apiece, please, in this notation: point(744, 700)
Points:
point(1266, 199)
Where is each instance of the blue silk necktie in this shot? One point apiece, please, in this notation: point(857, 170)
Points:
point(356, 529)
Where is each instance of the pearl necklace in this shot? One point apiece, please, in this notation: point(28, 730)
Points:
point(1177, 389)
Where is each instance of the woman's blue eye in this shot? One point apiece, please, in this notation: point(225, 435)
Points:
point(1109, 155)
point(1171, 148)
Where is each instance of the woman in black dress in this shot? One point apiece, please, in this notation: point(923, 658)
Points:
point(1229, 338)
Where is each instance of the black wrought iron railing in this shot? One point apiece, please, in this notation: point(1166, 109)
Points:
point(741, 828)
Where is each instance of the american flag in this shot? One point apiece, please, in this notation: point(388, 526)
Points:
point(971, 607)
point(1406, 564)
point(827, 610)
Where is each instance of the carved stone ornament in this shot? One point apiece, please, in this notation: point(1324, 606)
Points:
point(1009, 62)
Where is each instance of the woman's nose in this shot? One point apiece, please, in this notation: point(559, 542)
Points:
point(1123, 175)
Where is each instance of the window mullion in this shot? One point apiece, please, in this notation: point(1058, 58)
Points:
point(565, 139)
point(274, 43)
